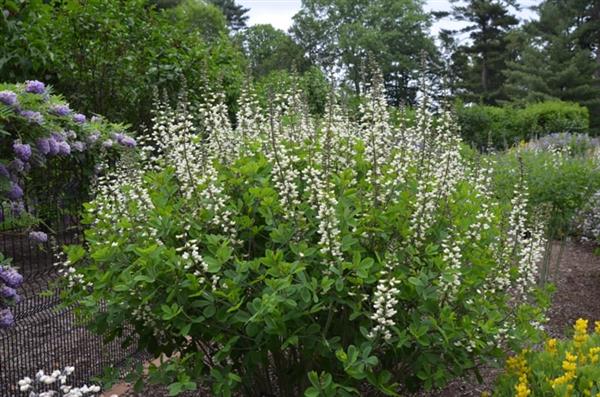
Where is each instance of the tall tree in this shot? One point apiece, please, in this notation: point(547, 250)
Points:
point(560, 60)
point(235, 13)
point(489, 25)
point(340, 35)
point(268, 49)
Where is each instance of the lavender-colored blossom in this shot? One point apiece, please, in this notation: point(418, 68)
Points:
point(53, 145)
point(38, 237)
point(8, 292)
point(64, 148)
point(96, 119)
point(15, 192)
point(93, 137)
point(6, 318)
point(17, 208)
point(11, 277)
point(4, 171)
point(78, 146)
point(43, 145)
point(35, 87)
point(22, 150)
point(117, 136)
point(60, 110)
point(17, 166)
point(128, 141)
point(8, 98)
point(107, 143)
point(58, 136)
point(79, 118)
point(33, 117)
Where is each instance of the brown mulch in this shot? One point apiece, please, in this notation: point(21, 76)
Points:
point(577, 295)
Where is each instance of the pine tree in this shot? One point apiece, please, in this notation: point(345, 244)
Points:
point(555, 63)
point(235, 13)
point(490, 23)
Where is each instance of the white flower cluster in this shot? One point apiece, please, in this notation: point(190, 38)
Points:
point(587, 221)
point(384, 303)
point(43, 381)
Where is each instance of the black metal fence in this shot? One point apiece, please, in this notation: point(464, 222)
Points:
point(45, 336)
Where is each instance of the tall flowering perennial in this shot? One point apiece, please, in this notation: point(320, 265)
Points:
point(562, 368)
point(287, 246)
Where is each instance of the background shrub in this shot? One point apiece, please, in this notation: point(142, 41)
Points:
point(502, 127)
point(559, 185)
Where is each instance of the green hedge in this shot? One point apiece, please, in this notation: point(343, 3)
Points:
point(502, 127)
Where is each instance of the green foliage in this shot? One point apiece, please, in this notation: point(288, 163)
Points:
point(111, 56)
point(562, 368)
point(295, 262)
point(25, 49)
point(553, 64)
point(480, 64)
point(197, 16)
point(502, 127)
point(268, 49)
point(234, 13)
point(341, 34)
point(312, 84)
point(559, 184)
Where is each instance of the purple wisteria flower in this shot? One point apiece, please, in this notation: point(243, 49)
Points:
point(96, 119)
point(15, 192)
point(11, 277)
point(43, 145)
point(4, 171)
point(38, 237)
point(58, 136)
point(22, 151)
point(8, 292)
point(93, 137)
point(79, 118)
point(117, 136)
point(33, 117)
point(35, 87)
point(78, 146)
point(60, 110)
point(107, 143)
point(53, 145)
point(64, 148)
point(128, 141)
point(17, 208)
point(8, 98)
point(17, 166)
point(6, 318)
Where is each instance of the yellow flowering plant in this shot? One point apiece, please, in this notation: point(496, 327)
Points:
point(565, 368)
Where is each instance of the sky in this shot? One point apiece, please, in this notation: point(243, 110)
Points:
point(279, 13)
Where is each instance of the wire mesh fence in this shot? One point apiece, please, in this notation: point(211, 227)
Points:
point(47, 336)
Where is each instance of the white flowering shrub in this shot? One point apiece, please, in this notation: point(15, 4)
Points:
point(291, 256)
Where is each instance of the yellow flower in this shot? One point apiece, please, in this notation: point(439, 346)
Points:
point(485, 394)
point(551, 346)
point(570, 363)
point(581, 335)
point(522, 389)
point(597, 327)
